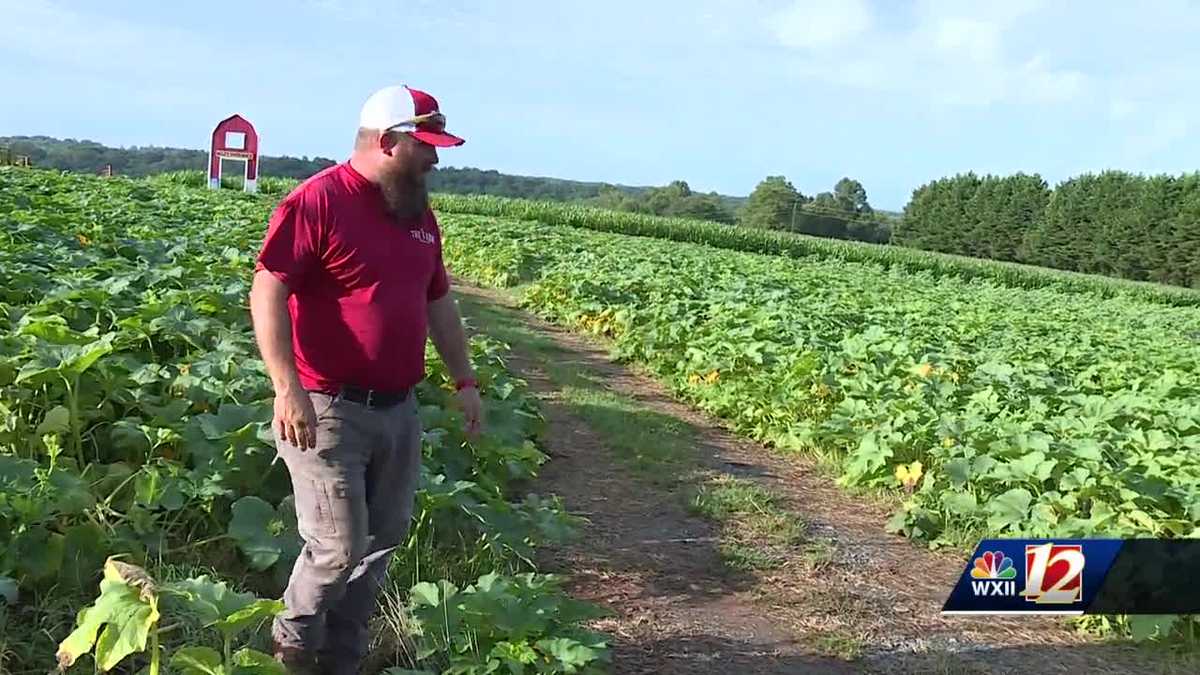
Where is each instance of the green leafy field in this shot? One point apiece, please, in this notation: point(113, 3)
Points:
point(134, 428)
point(133, 409)
point(1030, 412)
point(994, 411)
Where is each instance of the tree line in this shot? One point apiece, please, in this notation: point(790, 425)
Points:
point(1114, 223)
point(675, 199)
point(843, 213)
point(82, 156)
point(91, 157)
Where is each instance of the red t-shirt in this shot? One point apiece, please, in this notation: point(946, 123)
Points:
point(360, 280)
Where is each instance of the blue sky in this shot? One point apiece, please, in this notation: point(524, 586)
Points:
point(717, 92)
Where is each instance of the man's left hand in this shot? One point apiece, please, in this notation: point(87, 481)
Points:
point(472, 407)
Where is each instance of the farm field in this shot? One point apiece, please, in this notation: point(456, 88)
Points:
point(134, 424)
point(717, 554)
point(990, 409)
point(132, 412)
point(1031, 412)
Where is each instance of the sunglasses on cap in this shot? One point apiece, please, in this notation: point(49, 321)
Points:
point(434, 121)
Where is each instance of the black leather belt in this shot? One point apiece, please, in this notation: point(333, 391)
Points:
point(373, 398)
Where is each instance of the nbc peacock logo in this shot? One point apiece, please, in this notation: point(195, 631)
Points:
point(993, 574)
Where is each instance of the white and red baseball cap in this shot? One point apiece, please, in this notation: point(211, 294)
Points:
point(402, 108)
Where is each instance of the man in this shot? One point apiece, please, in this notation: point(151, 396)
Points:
point(348, 286)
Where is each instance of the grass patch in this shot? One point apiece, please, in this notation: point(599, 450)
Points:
point(392, 632)
point(756, 533)
point(725, 497)
point(653, 444)
point(30, 631)
point(745, 557)
point(819, 553)
point(501, 324)
point(840, 644)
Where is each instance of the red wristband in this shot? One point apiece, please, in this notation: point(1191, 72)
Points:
point(464, 383)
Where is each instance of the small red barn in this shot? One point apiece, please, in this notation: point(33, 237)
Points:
point(234, 138)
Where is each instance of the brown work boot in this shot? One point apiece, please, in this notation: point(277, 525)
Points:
point(296, 661)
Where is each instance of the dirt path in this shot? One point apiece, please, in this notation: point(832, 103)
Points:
point(851, 598)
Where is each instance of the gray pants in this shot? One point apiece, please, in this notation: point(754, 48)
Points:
point(354, 499)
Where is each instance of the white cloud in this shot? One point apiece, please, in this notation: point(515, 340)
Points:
point(51, 32)
point(1037, 82)
point(974, 39)
point(88, 40)
point(951, 54)
point(821, 24)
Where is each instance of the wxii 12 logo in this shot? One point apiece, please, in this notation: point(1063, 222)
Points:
point(1053, 574)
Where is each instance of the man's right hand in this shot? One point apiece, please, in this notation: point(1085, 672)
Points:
point(295, 418)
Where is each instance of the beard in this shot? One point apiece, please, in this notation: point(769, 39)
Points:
point(406, 195)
